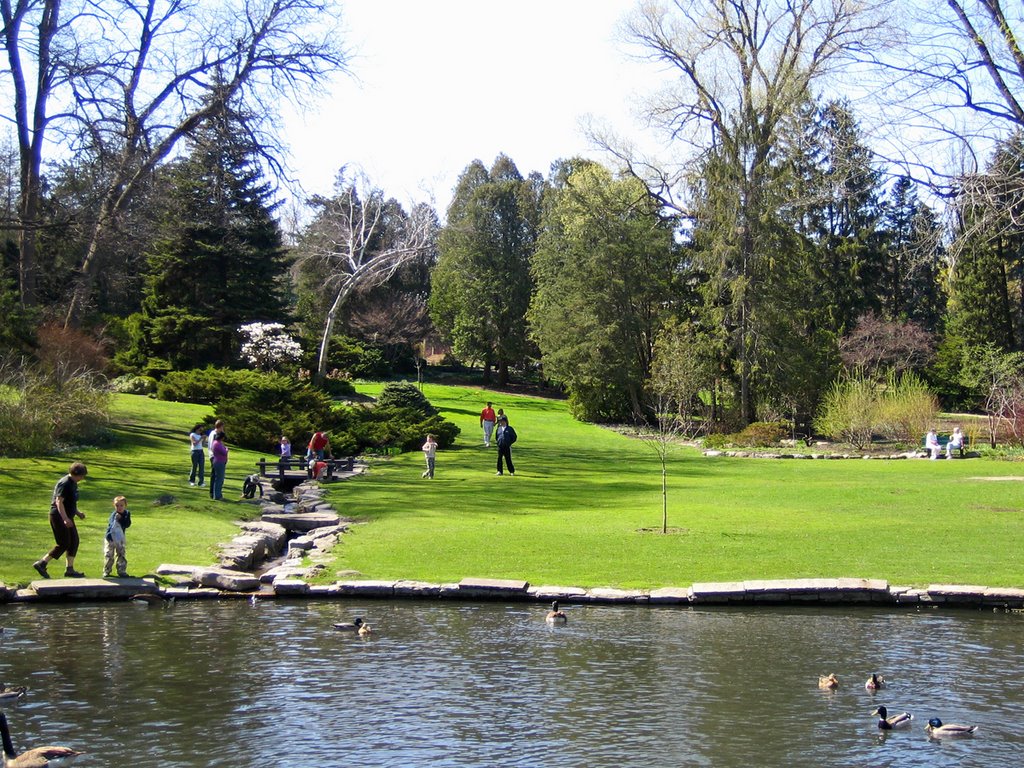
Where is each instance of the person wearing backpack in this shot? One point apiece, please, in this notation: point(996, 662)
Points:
point(506, 436)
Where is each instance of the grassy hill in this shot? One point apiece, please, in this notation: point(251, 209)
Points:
point(583, 509)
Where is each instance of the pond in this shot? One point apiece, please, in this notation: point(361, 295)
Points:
point(234, 683)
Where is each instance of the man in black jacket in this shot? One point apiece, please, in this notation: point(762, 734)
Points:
point(506, 436)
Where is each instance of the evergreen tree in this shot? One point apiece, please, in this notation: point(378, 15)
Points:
point(913, 288)
point(605, 269)
point(481, 287)
point(218, 259)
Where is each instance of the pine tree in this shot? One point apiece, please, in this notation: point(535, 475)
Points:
point(481, 287)
point(218, 260)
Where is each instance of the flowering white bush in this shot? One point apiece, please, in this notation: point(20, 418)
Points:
point(265, 345)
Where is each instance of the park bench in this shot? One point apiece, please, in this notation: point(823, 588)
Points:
point(943, 441)
point(290, 467)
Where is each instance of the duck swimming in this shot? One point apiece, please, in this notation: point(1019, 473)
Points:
point(887, 722)
point(350, 626)
point(828, 682)
point(875, 682)
point(12, 694)
point(40, 757)
point(555, 616)
point(936, 729)
point(364, 630)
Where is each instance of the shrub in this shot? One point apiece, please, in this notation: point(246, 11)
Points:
point(43, 407)
point(850, 411)
point(272, 405)
point(210, 385)
point(402, 394)
point(756, 435)
point(907, 408)
point(353, 357)
point(133, 385)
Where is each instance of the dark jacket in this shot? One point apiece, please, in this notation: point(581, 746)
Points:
point(506, 437)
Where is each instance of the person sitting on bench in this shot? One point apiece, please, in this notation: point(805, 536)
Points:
point(956, 443)
point(931, 444)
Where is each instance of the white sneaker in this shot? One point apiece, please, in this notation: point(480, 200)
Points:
point(191, 483)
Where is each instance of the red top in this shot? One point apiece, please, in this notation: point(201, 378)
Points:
point(319, 441)
point(487, 414)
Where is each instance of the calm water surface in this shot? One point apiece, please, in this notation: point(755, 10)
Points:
point(229, 683)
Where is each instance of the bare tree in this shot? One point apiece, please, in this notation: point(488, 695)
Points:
point(358, 241)
point(877, 345)
point(129, 80)
point(743, 68)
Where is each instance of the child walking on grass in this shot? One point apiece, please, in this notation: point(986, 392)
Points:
point(114, 542)
point(430, 452)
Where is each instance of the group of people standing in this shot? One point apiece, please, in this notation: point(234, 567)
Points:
point(217, 450)
point(496, 428)
point(496, 425)
point(63, 513)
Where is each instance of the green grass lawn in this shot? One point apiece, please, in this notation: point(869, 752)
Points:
point(584, 508)
point(149, 458)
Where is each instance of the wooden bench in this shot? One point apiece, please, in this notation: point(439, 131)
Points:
point(943, 441)
point(282, 468)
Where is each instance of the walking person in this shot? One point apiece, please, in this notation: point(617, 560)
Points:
point(219, 460)
point(487, 421)
point(506, 436)
point(63, 511)
point(195, 441)
point(115, 543)
point(430, 453)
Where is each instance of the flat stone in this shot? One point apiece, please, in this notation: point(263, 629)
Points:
point(718, 592)
point(1004, 594)
point(494, 588)
point(323, 590)
point(610, 595)
point(290, 587)
point(368, 588)
point(227, 580)
point(670, 595)
point(416, 589)
point(302, 521)
point(92, 588)
point(558, 593)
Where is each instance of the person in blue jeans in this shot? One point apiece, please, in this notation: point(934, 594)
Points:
point(195, 440)
point(219, 462)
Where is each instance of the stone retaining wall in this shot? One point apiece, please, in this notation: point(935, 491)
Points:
point(841, 591)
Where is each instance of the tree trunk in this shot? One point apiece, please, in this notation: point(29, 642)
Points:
point(664, 491)
point(325, 340)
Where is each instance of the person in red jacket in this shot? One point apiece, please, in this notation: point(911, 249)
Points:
point(319, 445)
point(487, 419)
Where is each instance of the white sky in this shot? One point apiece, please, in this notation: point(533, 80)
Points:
point(438, 83)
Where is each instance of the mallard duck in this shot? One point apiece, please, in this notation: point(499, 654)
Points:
point(936, 729)
point(40, 757)
point(828, 682)
point(888, 722)
point(349, 626)
point(11, 694)
point(875, 682)
point(555, 616)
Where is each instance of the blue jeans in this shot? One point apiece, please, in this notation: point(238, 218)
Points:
point(198, 466)
point(217, 481)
